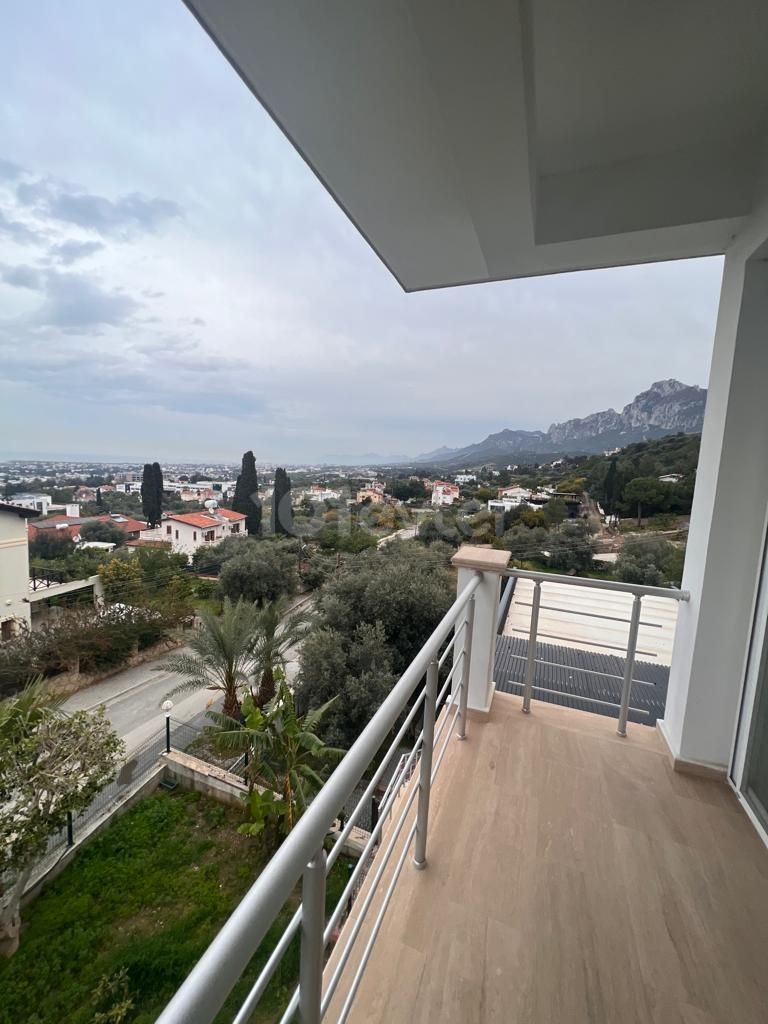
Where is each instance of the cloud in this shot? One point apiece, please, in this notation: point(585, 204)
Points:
point(150, 293)
point(10, 171)
point(75, 303)
point(21, 276)
point(72, 250)
point(124, 217)
point(18, 232)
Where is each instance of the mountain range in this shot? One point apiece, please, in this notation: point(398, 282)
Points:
point(667, 407)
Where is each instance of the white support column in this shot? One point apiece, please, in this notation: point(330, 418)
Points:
point(728, 523)
point(469, 560)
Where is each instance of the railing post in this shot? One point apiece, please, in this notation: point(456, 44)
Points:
point(629, 666)
point(530, 664)
point(70, 830)
point(312, 945)
point(467, 656)
point(425, 767)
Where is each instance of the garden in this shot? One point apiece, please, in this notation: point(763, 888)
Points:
point(114, 935)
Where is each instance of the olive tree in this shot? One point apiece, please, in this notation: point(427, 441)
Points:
point(50, 765)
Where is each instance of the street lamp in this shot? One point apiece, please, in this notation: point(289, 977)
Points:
point(167, 707)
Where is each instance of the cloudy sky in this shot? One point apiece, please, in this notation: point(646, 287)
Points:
point(175, 284)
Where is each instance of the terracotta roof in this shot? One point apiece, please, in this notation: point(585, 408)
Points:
point(201, 520)
point(126, 523)
point(227, 513)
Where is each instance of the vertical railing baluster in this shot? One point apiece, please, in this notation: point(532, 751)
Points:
point(312, 945)
point(629, 666)
point(465, 668)
point(530, 664)
point(425, 768)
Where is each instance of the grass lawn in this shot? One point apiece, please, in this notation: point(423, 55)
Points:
point(147, 895)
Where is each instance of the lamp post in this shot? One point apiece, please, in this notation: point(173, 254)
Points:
point(167, 707)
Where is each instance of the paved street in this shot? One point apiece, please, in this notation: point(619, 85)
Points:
point(133, 698)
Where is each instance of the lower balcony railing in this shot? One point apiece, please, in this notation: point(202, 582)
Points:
point(628, 678)
point(423, 690)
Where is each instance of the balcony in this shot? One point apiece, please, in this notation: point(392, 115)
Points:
point(573, 876)
point(571, 873)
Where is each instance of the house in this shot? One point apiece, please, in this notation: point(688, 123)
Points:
point(29, 596)
point(671, 478)
point(576, 870)
point(186, 532)
point(39, 503)
point(14, 569)
point(515, 495)
point(69, 526)
point(465, 478)
point(372, 494)
point(444, 493)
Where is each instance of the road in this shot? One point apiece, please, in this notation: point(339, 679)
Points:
point(407, 533)
point(132, 698)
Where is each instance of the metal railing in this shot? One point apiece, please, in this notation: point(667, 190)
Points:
point(303, 854)
point(637, 591)
point(41, 578)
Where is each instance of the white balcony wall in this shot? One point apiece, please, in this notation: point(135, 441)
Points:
point(728, 521)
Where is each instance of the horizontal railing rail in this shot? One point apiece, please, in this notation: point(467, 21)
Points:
point(635, 590)
point(302, 854)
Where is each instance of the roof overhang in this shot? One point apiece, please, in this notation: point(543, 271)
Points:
point(495, 139)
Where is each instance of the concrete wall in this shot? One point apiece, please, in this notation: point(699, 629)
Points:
point(193, 773)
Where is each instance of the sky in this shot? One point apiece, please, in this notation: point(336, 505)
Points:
point(176, 284)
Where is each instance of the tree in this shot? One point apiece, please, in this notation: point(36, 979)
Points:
point(99, 500)
point(151, 500)
point(649, 560)
point(261, 572)
point(611, 487)
point(282, 513)
point(103, 532)
point(221, 655)
point(49, 544)
point(123, 580)
point(50, 765)
point(277, 631)
point(287, 755)
point(644, 491)
point(246, 499)
point(356, 669)
point(157, 480)
point(570, 548)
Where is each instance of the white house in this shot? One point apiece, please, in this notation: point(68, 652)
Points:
point(465, 478)
point(39, 503)
point(188, 531)
point(14, 569)
point(444, 493)
point(514, 495)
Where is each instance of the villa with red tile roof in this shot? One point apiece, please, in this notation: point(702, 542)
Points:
point(188, 531)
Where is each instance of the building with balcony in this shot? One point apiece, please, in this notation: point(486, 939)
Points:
point(444, 493)
point(574, 871)
point(186, 532)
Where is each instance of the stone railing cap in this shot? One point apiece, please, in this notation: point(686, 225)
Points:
point(471, 556)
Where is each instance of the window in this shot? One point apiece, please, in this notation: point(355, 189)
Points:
point(6, 629)
point(236, 528)
point(168, 530)
point(177, 535)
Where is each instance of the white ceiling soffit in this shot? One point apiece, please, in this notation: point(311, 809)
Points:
point(484, 140)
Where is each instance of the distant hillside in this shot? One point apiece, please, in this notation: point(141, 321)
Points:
point(667, 407)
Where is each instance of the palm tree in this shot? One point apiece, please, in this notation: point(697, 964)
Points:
point(287, 755)
point(277, 632)
point(222, 655)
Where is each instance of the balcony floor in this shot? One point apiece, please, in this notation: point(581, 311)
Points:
point(573, 877)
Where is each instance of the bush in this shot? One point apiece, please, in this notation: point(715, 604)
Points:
point(649, 560)
point(262, 571)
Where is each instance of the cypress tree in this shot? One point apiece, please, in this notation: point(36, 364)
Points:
point(282, 513)
point(157, 478)
point(610, 487)
point(99, 502)
point(148, 496)
point(246, 499)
